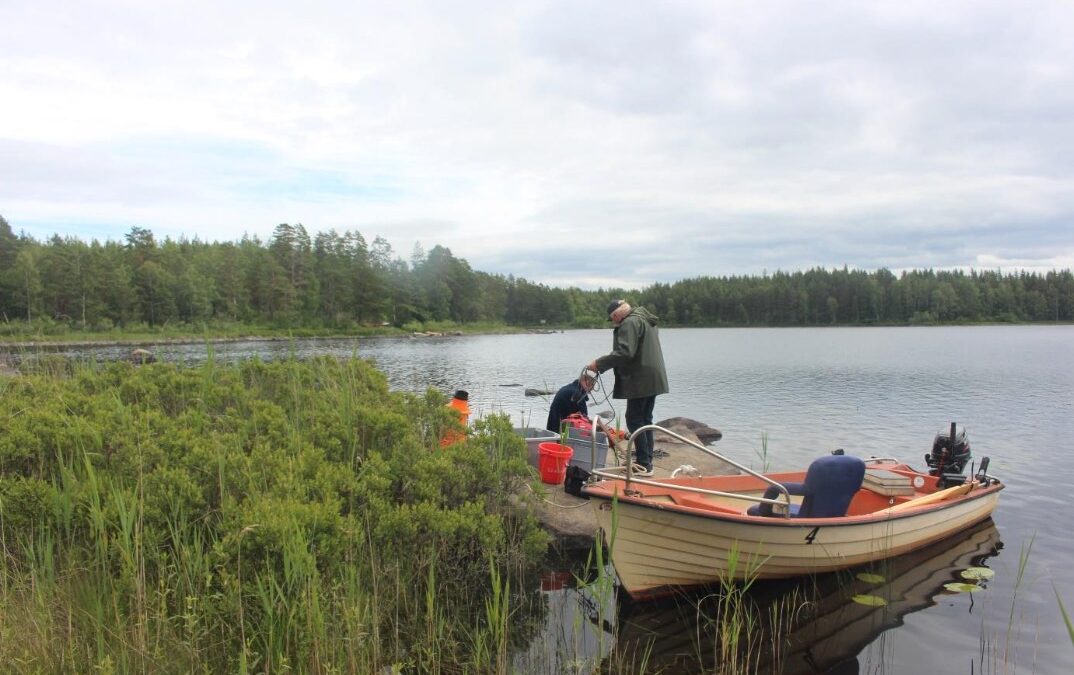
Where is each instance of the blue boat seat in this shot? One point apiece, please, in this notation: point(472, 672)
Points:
point(830, 484)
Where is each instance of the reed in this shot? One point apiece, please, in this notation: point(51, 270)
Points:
point(762, 452)
point(1024, 554)
point(734, 635)
point(252, 518)
point(736, 621)
point(1066, 617)
point(490, 641)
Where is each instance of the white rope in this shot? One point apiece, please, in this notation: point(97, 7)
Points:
point(560, 506)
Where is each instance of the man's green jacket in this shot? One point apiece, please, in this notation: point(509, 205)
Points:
point(636, 357)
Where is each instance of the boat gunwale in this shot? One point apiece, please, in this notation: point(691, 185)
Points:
point(882, 515)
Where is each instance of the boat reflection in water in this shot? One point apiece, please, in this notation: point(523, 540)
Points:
point(818, 627)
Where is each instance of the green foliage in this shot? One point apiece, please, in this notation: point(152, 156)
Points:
point(23, 501)
point(336, 282)
point(842, 296)
point(261, 515)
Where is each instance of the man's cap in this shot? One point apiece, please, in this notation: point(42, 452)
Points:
point(462, 395)
point(612, 306)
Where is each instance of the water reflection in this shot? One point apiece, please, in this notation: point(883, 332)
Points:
point(812, 625)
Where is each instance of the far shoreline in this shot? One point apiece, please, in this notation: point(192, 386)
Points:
point(80, 339)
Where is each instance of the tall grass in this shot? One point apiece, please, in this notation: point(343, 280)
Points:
point(762, 453)
point(1024, 554)
point(253, 518)
point(1066, 617)
point(734, 633)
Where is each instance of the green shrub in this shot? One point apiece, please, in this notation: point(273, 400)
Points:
point(228, 512)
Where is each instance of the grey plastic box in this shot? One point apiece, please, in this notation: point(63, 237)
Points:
point(534, 437)
point(582, 443)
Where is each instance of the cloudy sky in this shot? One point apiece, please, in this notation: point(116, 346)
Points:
point(574, 143)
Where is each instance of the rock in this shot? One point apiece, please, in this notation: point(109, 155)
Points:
point(573, 524)
point(704, 433)
point(569, 519)
point(538, 392)
point(670, 440)
point(140, 356)
point(7, 370)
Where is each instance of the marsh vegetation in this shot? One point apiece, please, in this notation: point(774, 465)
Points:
point(292, 516)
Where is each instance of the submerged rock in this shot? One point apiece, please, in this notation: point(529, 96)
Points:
point(538, 392)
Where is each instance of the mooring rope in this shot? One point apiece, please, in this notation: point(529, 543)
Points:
point(561, 506)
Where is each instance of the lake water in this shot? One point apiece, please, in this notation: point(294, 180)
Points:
point(871, 391)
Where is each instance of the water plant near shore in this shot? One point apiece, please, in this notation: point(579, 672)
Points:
point(252, 518)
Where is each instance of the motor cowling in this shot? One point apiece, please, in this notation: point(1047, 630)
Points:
point(950, 453)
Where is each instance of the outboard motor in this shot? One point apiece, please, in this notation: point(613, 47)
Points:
point(949, 456)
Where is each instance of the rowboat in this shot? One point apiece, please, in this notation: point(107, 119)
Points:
point(665, 534)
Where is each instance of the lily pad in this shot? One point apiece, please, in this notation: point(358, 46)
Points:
point(870, 600)
point(956, 587)
point(870, 578)
point(975, 573)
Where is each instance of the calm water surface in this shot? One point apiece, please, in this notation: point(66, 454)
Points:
point(872, 391)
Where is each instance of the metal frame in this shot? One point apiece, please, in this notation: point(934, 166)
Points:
point(719, 493)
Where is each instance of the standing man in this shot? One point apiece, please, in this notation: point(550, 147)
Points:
point(640, 376)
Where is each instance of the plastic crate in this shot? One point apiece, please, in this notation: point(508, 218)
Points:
point(581, 441)
point(534, 437)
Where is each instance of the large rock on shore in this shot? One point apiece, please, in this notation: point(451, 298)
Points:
point(702, 431)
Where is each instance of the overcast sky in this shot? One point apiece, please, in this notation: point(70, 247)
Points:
point(574, 143)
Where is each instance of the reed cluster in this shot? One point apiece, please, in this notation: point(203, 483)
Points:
point(258, 517)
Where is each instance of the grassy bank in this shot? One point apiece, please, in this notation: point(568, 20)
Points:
point(21, 333)
point(293, 516)
point(14, 334)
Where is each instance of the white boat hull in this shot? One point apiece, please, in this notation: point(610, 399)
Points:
point(656, 549)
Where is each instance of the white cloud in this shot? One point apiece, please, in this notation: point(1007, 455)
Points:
point(679, 139)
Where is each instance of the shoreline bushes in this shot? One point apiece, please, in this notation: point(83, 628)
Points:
point(251, 517)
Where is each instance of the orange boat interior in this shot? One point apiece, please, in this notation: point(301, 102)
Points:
point(868, 499)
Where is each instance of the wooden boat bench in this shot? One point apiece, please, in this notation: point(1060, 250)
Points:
point(934, 498)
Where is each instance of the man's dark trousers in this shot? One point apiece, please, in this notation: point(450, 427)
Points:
point(639, 412)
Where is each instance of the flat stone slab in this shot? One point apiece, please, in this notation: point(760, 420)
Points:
point(571, 519)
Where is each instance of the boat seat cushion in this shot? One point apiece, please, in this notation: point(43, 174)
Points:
point(830, 484)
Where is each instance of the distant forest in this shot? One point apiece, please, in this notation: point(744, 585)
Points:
point(340, 281)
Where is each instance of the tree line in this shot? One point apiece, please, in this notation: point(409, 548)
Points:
point(339, 280)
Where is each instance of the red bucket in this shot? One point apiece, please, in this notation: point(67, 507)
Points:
point(552, 461)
